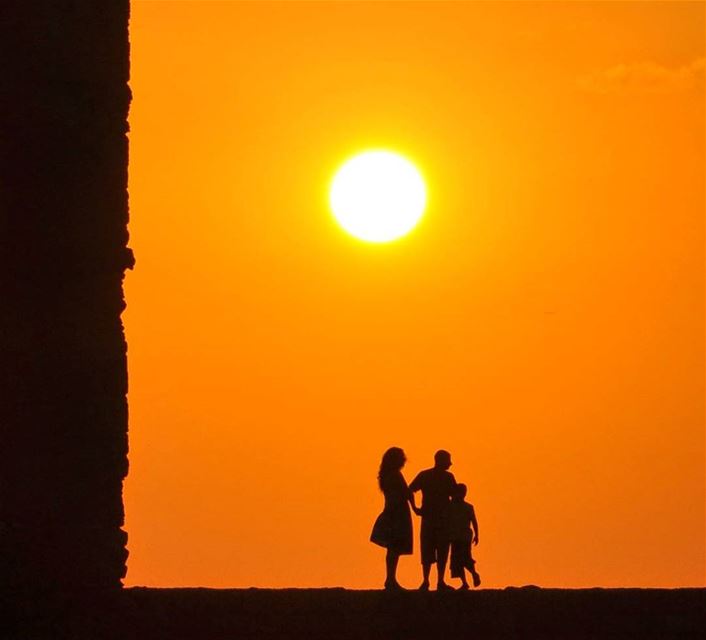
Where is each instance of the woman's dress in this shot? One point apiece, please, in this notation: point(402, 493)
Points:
point(393, 527)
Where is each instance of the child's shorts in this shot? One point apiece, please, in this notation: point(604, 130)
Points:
point(461, 558)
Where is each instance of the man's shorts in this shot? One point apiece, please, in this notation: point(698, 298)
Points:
point(434, 541)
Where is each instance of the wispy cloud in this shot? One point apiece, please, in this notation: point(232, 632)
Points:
point(643, 77)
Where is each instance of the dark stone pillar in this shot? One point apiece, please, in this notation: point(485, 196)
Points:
point(63, 251)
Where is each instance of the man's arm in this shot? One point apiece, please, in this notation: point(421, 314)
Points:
point(416, 484)
point(416, 509)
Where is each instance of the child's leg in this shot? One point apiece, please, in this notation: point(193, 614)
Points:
point(474, 574)
point(471, 566)
point(476, 578)
point(464, 583)
point(458, 562)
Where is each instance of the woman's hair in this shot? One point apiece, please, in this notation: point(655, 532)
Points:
point(392, 461)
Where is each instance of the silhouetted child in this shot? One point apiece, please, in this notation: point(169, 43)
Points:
point(463, 532)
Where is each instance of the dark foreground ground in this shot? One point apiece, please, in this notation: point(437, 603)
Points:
point(337, 614)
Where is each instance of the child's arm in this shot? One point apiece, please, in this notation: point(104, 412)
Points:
point(474, 525)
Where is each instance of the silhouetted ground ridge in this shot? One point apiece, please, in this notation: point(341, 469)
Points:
point(339, 614)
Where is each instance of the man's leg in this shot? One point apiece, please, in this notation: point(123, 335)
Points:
point(426, 569)
point(442, 554)
point(426, 545)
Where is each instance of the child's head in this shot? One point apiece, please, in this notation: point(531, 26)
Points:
point(460, 491)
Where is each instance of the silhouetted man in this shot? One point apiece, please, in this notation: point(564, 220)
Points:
point(437, 486)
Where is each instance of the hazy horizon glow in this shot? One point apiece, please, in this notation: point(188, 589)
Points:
point(544, 322)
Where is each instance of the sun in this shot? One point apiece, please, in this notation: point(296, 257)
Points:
point(378, 196)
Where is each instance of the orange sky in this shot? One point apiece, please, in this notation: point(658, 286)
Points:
point(545, 322)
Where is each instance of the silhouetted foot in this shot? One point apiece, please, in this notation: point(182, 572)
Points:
point(394, 586)
point(442, 586)
point(464, 587)
point(476, 580)
point(424, 586)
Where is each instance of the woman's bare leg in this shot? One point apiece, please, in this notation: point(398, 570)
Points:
point(391, 560)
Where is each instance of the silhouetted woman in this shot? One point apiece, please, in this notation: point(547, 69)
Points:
point(393, 527)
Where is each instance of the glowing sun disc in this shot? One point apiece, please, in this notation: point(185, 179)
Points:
point(378, 196)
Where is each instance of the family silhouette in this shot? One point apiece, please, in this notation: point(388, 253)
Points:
point(448, 521)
